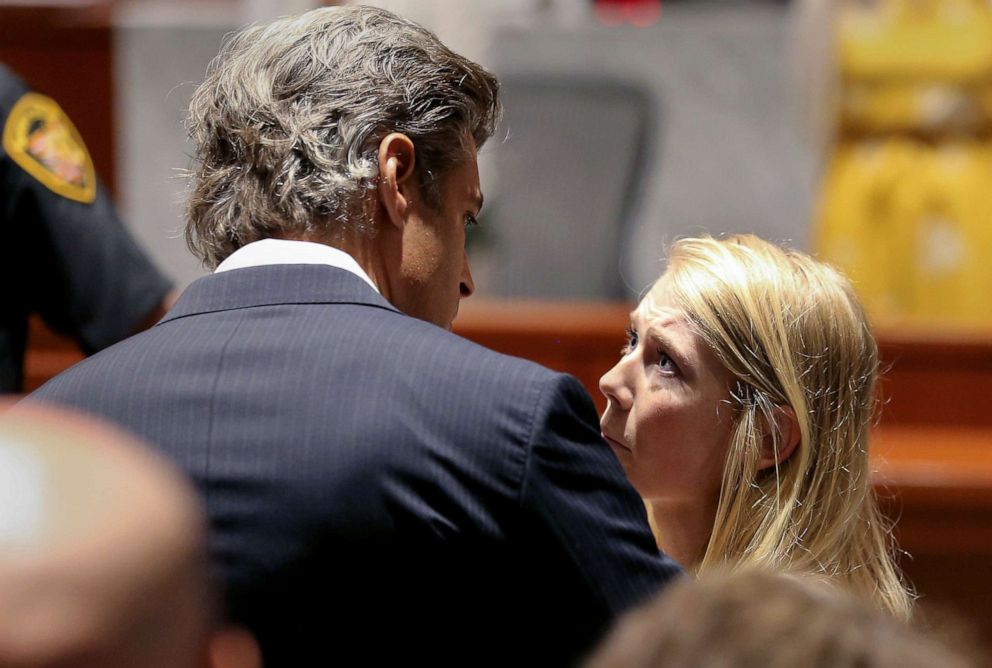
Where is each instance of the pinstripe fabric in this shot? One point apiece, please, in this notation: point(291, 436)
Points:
point(376, 484)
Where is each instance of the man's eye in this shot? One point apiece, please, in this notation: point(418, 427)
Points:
point(470, 220)
point(631, 341)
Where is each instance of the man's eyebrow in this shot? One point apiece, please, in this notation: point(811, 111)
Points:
point(478, 201)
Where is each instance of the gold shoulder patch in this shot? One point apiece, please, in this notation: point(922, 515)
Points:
point(40, 138)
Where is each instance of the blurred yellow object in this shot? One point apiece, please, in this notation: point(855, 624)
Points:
point(906, 203)
point(924, 107)
point(916, 65)
point(911, 223)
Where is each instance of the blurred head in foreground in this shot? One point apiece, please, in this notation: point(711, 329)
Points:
point(763, 620)
point(741, 411)
point(102, 552)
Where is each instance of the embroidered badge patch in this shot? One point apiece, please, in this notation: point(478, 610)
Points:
point(40, 138)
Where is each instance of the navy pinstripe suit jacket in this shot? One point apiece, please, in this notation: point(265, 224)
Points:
point(379, 489)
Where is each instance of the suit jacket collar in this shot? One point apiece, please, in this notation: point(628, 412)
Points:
point(275, 284)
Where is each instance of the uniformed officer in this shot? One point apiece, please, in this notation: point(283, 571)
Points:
point(65, 253)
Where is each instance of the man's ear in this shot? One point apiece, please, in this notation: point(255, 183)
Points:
point(789, 435)
point(397, 158)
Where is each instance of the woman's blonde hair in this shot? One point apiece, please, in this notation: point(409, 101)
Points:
point(794, 335)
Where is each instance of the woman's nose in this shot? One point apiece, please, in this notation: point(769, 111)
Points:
point(614, 387)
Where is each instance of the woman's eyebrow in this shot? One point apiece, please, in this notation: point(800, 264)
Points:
point(660, 338)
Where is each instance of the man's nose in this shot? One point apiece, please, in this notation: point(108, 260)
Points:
point(467, 285)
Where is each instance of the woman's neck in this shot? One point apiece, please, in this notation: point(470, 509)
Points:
point(683, 529)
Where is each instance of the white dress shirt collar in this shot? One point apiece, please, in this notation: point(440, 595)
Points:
point(288, 251)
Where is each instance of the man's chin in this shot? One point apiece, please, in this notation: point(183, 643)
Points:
point(447, 321)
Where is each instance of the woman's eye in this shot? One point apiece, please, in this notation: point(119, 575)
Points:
point(631, 341)
point(666, 363)
point(470, 220)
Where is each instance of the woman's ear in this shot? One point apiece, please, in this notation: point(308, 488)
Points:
point(397, 158)
point(789, 435)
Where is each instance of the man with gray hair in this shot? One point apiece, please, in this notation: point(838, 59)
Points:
point(377, 486)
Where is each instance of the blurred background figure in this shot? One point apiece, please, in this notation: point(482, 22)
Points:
point(102, 556)
point(764, 620)
point(65, 248)
point(901, 95)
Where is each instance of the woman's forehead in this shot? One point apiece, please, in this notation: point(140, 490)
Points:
point(659, 307)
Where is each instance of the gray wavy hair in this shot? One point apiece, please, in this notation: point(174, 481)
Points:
point(287, 124)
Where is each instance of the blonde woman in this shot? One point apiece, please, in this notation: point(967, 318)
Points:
point(740, 410)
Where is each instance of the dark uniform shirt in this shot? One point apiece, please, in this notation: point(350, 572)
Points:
point(65, 253)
